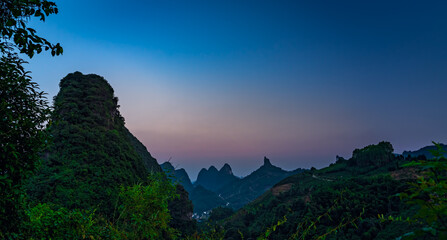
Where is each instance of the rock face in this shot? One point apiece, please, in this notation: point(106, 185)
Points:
point(213, 180)
point(93, 153)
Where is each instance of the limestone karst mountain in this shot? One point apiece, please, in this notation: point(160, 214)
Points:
point(252, 186)
point(213, 180)
point(92, 153)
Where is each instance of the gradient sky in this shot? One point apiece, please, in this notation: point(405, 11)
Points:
point(209, 82)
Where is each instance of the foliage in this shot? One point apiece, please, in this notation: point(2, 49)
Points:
point(220, 213)
point(372, 155)
point(209, 233)
point(307, 202)
point(181, 210)
point(306, 226)
point(271, 229)
point(24, 112)
point(23, 107)
point(92, 154)
point(45, 222)
point(143, 213)
point(429, 193)
point(179, 176)
point(14, 34)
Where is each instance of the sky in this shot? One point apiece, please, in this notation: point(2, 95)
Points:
point(211, 82)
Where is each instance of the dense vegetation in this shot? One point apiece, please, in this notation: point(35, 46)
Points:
point(92, 152)
point(344, 201)
point(177, 175)
point(23, 107)
point(97, 181)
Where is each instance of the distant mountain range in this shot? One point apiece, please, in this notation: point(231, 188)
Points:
point(215, 188)
point(214, 180)
point(93, 153)
point(245, 190)
point(425, 151)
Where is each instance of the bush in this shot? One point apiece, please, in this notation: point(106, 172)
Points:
point(45, 222)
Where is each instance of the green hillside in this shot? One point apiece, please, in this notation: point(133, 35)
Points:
point(347, 196)
point(92, 153)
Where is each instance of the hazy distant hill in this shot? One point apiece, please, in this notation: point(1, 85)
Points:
point(215, 188)
point(424, 151)
point(213, 180)
point(178, 175)
point(245, 190)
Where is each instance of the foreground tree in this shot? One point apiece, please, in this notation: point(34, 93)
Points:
point(16, 36)
point(429, 194)
point(24, 111)
point(23, 107)
point(143, 212)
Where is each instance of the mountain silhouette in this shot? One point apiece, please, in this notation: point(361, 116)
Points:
point(92, 153)
point(177, 175)
point(213, 180)
point(245, 190)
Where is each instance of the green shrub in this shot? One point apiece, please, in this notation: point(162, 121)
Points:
point(48, 222)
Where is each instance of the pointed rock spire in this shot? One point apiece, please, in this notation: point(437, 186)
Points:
point(267, 162)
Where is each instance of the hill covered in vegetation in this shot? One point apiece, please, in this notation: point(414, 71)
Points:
point(95, 168)
point(342, 201)
point(92, 152)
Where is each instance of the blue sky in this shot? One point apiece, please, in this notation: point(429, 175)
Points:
point(209, 82)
